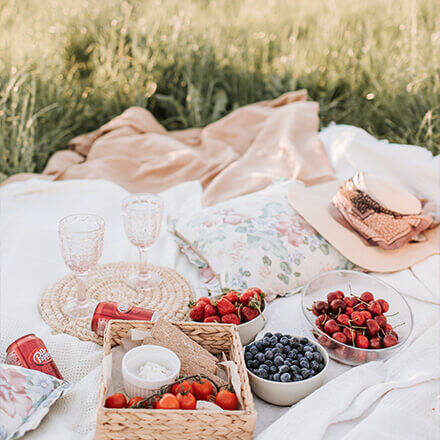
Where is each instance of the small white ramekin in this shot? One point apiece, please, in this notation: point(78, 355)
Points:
point(136, 357)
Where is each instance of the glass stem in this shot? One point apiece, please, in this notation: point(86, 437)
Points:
point(81, 294)
point(143, 262)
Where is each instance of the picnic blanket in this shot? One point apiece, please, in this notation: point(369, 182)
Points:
point(394, 399)
point(241, 153)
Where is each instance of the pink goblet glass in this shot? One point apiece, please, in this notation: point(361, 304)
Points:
point(82, 241)
point(142, 214)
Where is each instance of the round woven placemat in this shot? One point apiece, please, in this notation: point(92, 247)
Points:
point(107, 283)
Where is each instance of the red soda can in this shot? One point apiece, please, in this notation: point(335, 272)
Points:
point(30, 352)
point(105, 311)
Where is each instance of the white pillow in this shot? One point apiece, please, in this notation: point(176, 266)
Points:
point(257, 240)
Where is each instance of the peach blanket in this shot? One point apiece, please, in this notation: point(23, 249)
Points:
point(241, 153)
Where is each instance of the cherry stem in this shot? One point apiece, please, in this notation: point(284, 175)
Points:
point(394, 314)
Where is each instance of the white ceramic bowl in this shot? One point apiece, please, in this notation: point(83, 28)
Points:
point(248, 330)
point(136, 357)
point(288, 393)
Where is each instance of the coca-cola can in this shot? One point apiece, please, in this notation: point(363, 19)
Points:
point(30, 352)
point(105, 311)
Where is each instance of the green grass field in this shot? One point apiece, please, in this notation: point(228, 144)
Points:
point(67, 66)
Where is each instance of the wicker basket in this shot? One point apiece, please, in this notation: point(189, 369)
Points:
point(127, 424)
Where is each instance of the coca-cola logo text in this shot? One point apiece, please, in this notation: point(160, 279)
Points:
point(123, 308)
point(41, 356)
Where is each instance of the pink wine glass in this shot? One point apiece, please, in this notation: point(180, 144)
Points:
point(82, 241)
point(142, 214)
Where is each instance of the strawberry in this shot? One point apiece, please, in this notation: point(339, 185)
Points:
point(210, 310)
point(231, 318)
point(204, 300)
point(197, 312)
point(249, 313)
point(213, 318)
point(249, 294)
point(232, 296)
point(225, 307)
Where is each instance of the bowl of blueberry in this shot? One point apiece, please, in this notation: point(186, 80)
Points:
point(284, 369)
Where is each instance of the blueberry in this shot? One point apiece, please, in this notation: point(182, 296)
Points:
point(314, 366)
point(260, 357)
point(304, 364)
point(279, 346)
point(308, 355)
point(262, 373)
point(317, 356)
point(305, 372)
point(259, 345)
point(278, 361)
point(284, 369)
point(276, 350)
point(300, 348)
point(278, 335)
point(253, 364)
point(308, 348)
point(295, 369)
point(273, 369)
point(269, 363)
point(294, 342)
point(295, 362)
point(247, 347)
point(273, 341)
point(284, 341)
point(297, 377)
point(248, 356)
point(286, 377)
point(268, 335)
point(304, 341)
point(276, 377)
point(265, 342)
point(287, 362)
point(253, 350)
point(321, 366)
point(269, 354)
point(265, 367)
point(292, 353)
point(270, 376)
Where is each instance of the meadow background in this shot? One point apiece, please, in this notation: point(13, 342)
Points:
point(68, 66)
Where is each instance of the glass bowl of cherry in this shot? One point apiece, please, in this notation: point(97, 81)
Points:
point(357, 317)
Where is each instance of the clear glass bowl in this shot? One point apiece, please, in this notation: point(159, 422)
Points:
point(356, 282)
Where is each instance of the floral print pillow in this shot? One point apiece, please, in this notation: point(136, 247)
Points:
point(25, 398)
point(256, 240)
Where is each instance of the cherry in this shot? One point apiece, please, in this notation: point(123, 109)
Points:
point(350, 334)
point(385, 306)
point(343, 319)
point(374, 308)
point(381, 320)
point(335, 295)
point(366, 313)
point(362, 341)
point(320, 320)
point(321, 306)
point(361, 307)
point(351, 301)
point(349, 311)
point(372, 327)
point(375, 343)
point(357, 318)
point(389, 341)
point(388, 328)
point(340, 337)
point(367, 297)
point(331, 326)
point(337, 305)
point(394, 334)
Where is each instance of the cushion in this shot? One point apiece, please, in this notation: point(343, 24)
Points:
point(257, 240)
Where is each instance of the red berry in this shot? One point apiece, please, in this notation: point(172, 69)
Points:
point(204, 300)
point(350, 301)
point(366, 313)
point(197, 313)
point(320, 307)
point(367, 297)
point(388, 328)
point(225, 307)
point(343, 319)
point(360, 307)
point(349, 311)
point(362, 341)
point(335, 295)
point(384, 305)
point(324, 341)
point(249, 294)
point(375, 343)
point(337, 306)
point(389, 341)
point(374, 308)
point(350, 334)
point(381, 320)
point(232, 296)
point(231, 318)
point(320, 320)
point(372, 327)
point(357, 318)
point(249, 313)
point(214, 318)
point(340, 337)
point(210, 310)
point(331, 326)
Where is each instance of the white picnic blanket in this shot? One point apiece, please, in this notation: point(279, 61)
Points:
point(397, 399)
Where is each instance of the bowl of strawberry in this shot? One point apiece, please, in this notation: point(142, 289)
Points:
point(358, 318)
point(244, 309)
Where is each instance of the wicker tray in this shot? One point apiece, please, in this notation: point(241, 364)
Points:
point(129, 424)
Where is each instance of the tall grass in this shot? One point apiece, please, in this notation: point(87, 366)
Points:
point(67, 66)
